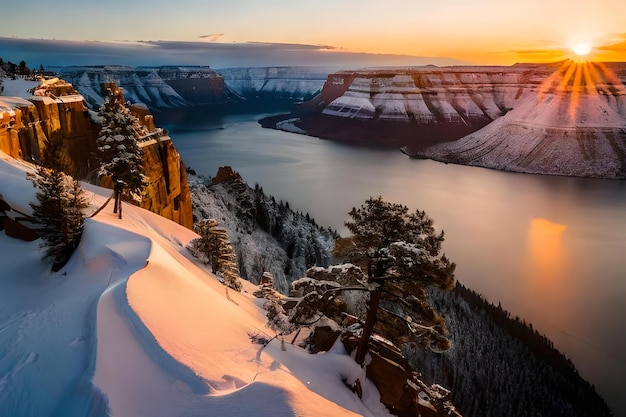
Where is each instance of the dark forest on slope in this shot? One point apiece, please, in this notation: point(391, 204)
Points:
point(501, 366)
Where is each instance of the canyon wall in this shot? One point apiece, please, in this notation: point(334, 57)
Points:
point(420, 106)
point(158, 87)
point(171, 87)
point(276, 83)
point(25, 126)
point(423, 105)
point(566, 118)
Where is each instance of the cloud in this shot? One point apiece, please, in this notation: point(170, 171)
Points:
point(212, 37)
point(215, 54)
point(616, 43)
point(541, 55)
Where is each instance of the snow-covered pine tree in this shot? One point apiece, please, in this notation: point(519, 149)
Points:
point(59, 213)
point(401, 253)
point(120, 153)
point(213, 245)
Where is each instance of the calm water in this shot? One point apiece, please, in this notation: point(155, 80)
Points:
point(552, 250)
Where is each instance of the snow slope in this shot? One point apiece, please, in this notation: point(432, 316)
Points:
point(132, 326)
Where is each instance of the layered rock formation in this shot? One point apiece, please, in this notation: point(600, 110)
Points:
point(25, 126)
point(275, 83)
point(170, 87)
point(157, 87)
point(573, 124)
point(564, 118)
point(424, 105)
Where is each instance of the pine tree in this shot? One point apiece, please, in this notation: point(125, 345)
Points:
point(401, 253)
point(59, 213)
point(214, 246)
point(54, 156)
point(120, 153)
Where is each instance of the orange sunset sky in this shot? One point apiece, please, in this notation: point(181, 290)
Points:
point(479, 32)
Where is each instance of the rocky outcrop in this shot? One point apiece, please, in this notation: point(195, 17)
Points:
point(19, 135)
point(167, 192)
point(401, 390)
point(226, 173)
point(25, 126)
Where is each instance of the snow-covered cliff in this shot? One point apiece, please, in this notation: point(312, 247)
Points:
point(399, 106)
point(564, 118)
point(170, 87)
point(157, 87)
point(573, 123)
point(294, 83)
point(26, 125)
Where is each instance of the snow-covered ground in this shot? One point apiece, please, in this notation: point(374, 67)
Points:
point(18, 87)
point(133, 326)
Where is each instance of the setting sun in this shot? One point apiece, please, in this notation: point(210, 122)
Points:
point(582, 49)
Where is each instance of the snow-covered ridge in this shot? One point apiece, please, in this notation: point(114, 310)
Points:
point(393, 106)
point(431, 94)
point(266, 235)
point(565, 118)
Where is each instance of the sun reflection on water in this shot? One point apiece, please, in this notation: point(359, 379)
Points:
point(546, 248)
point(546, 278)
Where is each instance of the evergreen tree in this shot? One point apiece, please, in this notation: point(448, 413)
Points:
point(23, 69)
point(120, 153)
point(214, 246)
point(54, 155)
point(59, 213)
point(401, 253)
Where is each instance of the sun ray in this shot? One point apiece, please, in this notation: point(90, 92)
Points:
point(589, 83)
point(550, 84)
point(574, 83)
point(612, 81)
point(571, 68)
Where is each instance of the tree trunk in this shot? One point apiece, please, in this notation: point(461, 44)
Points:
point(117, 200)
point(119, 211)
point(368, 328)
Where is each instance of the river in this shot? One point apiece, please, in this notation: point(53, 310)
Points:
point(552, 250)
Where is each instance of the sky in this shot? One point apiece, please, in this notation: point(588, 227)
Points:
point(244, 32)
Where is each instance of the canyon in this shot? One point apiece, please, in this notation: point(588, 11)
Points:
point(172, 87)
point(564, 118)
